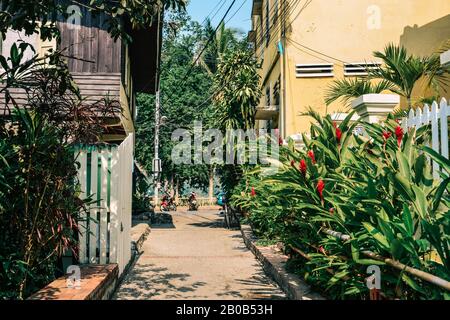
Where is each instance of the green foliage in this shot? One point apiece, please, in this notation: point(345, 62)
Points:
point(238, 91)
point(377, 188)
point(348, 89)
point(181, 103)
point(400, 73)
point(39, 204)
point(42, 16)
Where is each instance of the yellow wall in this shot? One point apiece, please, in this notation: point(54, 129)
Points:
point(349, 31)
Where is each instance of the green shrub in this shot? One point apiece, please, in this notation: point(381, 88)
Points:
point(39, 204)
point(377, 188)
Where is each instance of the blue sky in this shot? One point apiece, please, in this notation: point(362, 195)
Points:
point(200, 9)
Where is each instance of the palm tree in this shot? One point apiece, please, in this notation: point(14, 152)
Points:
point(399, 73)
point(223, 41)
point(403, 71)
point(348, 89)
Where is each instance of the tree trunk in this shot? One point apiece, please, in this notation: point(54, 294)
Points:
point(211, 185)
point(177, 191)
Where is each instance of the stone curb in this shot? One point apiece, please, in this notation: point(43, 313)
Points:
point(139, 233)
point(273, 263)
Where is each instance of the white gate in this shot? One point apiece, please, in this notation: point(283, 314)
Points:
point(438, 117)
point(105, 175)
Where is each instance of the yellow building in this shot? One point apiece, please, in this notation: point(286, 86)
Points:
point(304, 45)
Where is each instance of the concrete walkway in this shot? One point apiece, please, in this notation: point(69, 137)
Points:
point(197, 259)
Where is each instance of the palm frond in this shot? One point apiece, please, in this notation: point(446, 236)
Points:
point(348, 89)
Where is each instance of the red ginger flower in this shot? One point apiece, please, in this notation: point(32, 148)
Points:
point(338, 135)
point(312, 156)
point(387, 135)
point(399, 134)
point(253, 192)
point(303, 167)
point(320, 188)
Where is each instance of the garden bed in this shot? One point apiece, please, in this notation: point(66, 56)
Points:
point(274, 264)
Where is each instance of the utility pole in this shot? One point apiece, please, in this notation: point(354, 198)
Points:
point(284, 5)
point(157, 161)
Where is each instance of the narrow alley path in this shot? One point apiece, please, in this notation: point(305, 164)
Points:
point(196, 259)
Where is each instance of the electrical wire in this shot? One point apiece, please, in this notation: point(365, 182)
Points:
point(234, 14)
point(215, 7)
point(211, 38)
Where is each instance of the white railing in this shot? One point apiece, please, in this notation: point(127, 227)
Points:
point(437, 115)
point(105, 175)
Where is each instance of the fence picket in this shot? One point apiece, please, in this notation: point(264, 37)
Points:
point(104, 205)
point(114, 226)
point(106, 175)
point(411, 119)
point(445, 112)
point(435, 136)
point(419, 119)
point(93, 222)
point(438, 116)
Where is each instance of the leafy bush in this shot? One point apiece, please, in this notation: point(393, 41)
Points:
point(39, 205)
point(377, 188)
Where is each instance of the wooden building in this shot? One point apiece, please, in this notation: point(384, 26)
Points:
point(102, 66)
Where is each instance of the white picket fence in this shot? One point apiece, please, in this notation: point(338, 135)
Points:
point(437, 115)
point(105, 174)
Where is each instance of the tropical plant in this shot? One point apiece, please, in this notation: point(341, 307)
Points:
point(349, 89)
point(40, 206)
point(403, 71)
point(224, 40)
point(237, 91)
point(377, 189)
point(399, 73)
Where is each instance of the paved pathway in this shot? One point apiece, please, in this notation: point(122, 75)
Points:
point(196, 259)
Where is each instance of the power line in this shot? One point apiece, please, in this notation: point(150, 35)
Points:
point(275, 28)
point(211, 38)
point(318, 52)
point(239, 9)
point(279, 21)
point(215, 7)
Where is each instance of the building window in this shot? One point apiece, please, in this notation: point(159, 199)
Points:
point(267, 23)
point(314, 70)
point(276, 92)
point(359, 69)
point(268, 96)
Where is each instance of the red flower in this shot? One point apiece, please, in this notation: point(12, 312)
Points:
point(312, 156)
point(280, 141)
point(292, 163)
point(322, 250)
point(338, 135)
point(387, 135)
point(335, 125)
point(320, 188)
point(253, 192)
point(399, 134)
point(303, 167)
point(332, 211)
